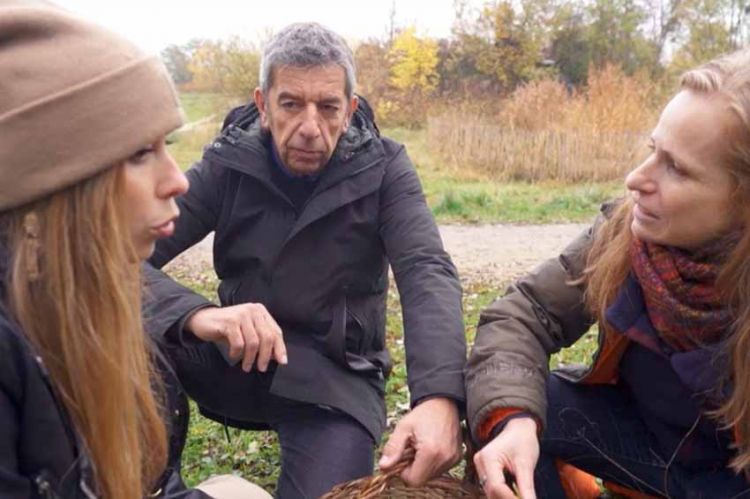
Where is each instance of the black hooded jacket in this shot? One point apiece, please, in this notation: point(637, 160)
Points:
point(321, 268)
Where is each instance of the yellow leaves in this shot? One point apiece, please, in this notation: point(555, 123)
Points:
point(230, 67)
point(414, 62)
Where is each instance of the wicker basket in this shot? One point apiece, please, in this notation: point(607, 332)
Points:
point(390, 486)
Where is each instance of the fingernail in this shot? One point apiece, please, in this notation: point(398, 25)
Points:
point(284, 359)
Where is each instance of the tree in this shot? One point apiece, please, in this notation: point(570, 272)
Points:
point(710, 28)
point(616, 35)
point(504, 43)
point(230, 67)
point(177, 59)
point(413, 79)
point(570, 48)
point(413, 63)
point(373, 72)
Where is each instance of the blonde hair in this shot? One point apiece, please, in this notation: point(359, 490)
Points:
point(608, 261)
point(74, 287)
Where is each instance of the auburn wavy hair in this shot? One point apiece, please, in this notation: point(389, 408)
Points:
point(608, 261)
point(75, 289)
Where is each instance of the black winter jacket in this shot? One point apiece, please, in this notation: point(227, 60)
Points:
point(40, 456)
point(322, 270)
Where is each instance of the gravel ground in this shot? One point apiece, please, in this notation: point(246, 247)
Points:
point(488, 253)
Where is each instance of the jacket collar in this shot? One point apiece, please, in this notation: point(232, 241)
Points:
point(628, 316)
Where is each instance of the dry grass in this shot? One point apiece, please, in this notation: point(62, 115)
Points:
point(545, 132)
point(514, 154)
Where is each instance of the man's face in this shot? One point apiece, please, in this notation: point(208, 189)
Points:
point(306, 111)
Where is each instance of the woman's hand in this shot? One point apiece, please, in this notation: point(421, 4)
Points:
point(515, 450)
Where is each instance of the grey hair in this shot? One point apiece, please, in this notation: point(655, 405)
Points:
point(306, 45)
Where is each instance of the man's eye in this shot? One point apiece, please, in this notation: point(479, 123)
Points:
point(289, 105)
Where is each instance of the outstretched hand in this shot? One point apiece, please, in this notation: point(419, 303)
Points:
point(516, 451)
point(432, 428)
point(249, 330)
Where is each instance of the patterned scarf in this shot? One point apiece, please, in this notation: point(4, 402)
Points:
point(680, 291)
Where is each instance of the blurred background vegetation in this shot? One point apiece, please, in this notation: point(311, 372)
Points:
point(531, 112)
point(522, 90)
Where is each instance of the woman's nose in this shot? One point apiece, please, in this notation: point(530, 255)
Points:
point(173, 182)
point(641, 178)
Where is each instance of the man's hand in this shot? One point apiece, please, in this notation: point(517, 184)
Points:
point(432, 429)
point(515, 450)
point(248, 329)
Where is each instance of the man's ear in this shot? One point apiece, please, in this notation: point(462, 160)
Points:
point(260, 102)
point(353, 104)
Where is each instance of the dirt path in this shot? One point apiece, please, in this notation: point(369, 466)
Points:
point(499, 253)
point(490, 253)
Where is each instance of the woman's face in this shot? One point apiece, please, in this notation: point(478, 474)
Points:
point(682, 192)
point(152, 179)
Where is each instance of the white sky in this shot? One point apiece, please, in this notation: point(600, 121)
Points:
point(154, 24)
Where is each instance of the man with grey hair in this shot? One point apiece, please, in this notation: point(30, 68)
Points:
point(309, 205)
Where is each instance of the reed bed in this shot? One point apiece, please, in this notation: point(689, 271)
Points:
point(545, 131)
point(502, 153)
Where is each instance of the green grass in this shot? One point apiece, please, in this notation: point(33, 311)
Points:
point(483, 202)
point(199, 105)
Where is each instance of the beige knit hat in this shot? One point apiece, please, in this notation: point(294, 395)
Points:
point(74, 99)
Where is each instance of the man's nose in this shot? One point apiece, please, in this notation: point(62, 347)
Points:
point(310, 126)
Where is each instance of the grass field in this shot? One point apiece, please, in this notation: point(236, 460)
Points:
point(454, 196)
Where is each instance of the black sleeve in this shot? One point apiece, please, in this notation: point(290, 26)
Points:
point(12, 483)
point(428, 284)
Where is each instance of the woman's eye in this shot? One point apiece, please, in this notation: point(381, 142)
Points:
point(674, 167)
point(141, 155)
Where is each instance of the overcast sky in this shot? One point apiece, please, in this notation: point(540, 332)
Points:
point(154, 24)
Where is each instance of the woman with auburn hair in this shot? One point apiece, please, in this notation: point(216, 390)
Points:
point(88, 406)
point(664, 408)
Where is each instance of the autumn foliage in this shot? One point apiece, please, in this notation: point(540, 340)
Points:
point(531, 89)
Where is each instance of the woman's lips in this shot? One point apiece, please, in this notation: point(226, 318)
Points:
point(164, 230)
point(642, 213)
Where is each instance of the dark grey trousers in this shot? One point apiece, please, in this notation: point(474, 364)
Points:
point(320, 446)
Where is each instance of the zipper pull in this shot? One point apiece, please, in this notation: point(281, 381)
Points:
point(44, 487)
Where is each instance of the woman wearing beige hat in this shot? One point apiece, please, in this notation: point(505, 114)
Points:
point(88, 406)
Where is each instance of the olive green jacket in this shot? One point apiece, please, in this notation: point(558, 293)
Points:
point(540, 314)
